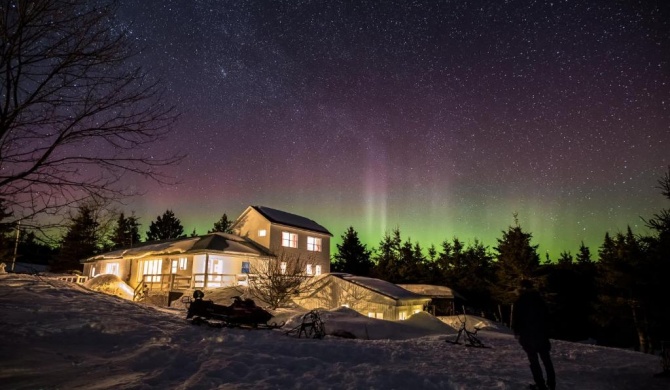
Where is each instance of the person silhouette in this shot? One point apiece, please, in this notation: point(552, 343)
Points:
point(529, 323)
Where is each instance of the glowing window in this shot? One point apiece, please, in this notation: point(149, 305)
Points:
point(313, 244)
point(151, 269)
point(112, 268)
point(93, 274)
point(262, 233)
point(373, 314)
point(309, 269)
point(318, 270)
point(282, 267)
point(173, 268)
point(289, 240)
point(402, 315)
point(183, 263)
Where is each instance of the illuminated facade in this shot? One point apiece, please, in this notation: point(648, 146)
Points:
point(217, 259)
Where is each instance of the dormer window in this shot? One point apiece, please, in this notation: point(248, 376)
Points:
point(313, 244)
point(262, 233)
point(289, 240)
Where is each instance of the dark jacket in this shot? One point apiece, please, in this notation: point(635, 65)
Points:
point(530, 321)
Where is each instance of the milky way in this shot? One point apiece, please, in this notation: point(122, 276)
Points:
point(440, 118)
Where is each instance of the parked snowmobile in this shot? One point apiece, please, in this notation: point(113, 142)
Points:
point(242, 312)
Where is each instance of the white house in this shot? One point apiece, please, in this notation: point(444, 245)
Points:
point(217, 259)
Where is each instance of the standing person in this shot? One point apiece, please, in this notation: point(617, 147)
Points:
point(529, 322)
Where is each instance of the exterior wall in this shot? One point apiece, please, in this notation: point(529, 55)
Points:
point(100, 267)
point(321, 258)
point(252, 221)
point(250, 224)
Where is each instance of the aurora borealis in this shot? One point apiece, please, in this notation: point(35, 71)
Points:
point(442, 118)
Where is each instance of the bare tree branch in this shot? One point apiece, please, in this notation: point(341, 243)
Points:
point(75, 116)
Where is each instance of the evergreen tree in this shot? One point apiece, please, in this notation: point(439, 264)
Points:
point(194, 233)
point(352, 256)
point(126, 233)
point(565, 258)
point(623, 293)
point(517, 260)
point(584, 254)
point(475, 276)
point(658, 252)
point(412, 263)
point(165, 227)
point(387, 259)
point(32, 251)
point(223, 225)
point(82, 240)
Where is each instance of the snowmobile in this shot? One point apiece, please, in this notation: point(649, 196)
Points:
point(241, 313)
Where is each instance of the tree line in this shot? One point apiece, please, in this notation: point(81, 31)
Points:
point(616, 295)
point(91, 230)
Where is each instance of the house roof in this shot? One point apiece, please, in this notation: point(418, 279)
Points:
point(380, 286)
point(284, 218)
point(432, 290)
point(214, 242)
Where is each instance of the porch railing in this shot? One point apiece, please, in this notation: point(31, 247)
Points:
point(172, 282)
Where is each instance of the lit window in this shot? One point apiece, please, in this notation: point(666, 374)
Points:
point(289, 240)
point(173, 268)
point(183, 263)
point(373, 314)
point(93, 274)
point(318, 270)
point(152, 269)
point(262, 233)
point(313, 244)
point(417, 311)
point(402, 315)
point(282, 267)
point(112, 268)
point(309, 269)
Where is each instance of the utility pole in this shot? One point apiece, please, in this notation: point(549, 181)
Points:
point(16, 244)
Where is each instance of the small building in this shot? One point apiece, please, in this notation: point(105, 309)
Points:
point(444, 300)
point(371, 297)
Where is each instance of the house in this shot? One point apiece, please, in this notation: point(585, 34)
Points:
point(444, 299)
point(371, 297)
point(170, 268)
point(286, 234)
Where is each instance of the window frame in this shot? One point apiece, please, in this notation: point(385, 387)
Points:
point(314, 244)
point(289, 240)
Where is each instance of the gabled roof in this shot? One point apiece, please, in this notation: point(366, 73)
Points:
point(214, 242)
point(288, 219)
point(380, 286)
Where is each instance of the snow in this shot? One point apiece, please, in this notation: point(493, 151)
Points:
point(56, 335)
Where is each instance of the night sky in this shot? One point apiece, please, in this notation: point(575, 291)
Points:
point(442, 118)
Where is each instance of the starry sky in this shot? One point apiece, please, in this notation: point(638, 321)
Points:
point(441, 118)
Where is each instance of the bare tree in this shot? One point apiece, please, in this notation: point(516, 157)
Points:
point(278, 280)
point(75, 115)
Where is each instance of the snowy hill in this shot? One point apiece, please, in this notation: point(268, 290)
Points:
point(55, 335)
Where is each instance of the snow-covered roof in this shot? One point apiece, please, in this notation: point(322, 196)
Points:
point(284, 218)
point(432, 290)
point(380, 286)
point(214, 242)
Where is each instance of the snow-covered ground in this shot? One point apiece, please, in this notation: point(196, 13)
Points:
point(55, 335)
